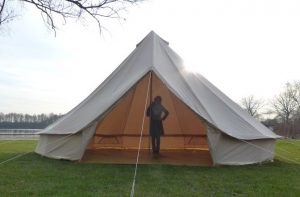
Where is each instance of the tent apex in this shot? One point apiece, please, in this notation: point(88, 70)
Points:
point(152, 37)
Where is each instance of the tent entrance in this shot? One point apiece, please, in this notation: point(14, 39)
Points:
point(117, 134)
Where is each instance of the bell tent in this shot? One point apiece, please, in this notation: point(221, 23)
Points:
point(204, 126)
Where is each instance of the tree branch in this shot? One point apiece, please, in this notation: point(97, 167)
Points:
point(6, 15)
point(65, 9)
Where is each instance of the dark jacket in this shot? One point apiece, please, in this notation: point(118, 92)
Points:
point(155, 111)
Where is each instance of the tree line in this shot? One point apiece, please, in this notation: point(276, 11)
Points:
point(27, 121)
point(281, 114)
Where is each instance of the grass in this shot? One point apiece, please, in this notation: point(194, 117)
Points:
point(33, 175)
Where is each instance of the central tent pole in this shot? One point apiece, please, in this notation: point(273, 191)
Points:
point(141, 135)
point(150, 109)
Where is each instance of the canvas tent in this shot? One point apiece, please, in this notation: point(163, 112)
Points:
point(201, 117)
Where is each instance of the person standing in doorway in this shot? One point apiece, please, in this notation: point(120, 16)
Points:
point(157, 114)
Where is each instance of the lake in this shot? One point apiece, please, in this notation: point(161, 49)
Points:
point(11, 134)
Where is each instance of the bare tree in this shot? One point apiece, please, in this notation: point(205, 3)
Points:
point(285, 108)
point(294, 89)
point(252, 105)
point(52, 10)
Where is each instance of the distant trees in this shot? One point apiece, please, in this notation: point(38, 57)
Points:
point(27, 121)
point(252, 105)
point(284, 109)
point(287, 109)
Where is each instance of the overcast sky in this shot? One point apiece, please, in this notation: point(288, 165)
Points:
point(244, 47)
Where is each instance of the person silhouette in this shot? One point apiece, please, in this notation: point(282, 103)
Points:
point(157, 114)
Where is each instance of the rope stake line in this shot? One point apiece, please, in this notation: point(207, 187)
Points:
point(9, 141)
point(140, 141)
point(22, 154)
point(15, 157)
point(289, 142)
point(283, 150)
point(151, 82)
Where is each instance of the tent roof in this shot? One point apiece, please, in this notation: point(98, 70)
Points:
point(154, 54)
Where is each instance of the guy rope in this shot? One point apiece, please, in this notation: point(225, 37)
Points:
point(140, 141)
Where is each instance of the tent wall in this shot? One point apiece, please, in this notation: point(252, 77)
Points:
point(121, 127)
point(226, 150)
point(65, 146)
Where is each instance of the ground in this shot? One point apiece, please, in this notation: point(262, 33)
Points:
point(33, 175)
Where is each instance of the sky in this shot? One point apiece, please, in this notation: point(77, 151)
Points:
point(244, 47)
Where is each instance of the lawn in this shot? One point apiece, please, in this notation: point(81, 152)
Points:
point(33, 175)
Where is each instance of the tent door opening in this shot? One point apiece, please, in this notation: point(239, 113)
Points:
point(117, 134)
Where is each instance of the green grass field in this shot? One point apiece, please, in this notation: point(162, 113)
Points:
point(33, 175)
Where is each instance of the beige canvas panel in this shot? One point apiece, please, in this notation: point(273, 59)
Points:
point(119, 142)
point(106, 142)
point(189, 122)
point(117, 116)
point(135, 113)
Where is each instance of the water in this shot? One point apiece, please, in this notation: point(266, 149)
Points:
point(14, 134)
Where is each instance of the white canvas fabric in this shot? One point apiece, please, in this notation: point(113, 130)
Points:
point(154, 54)
point(226, 150)
point(65, 146)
